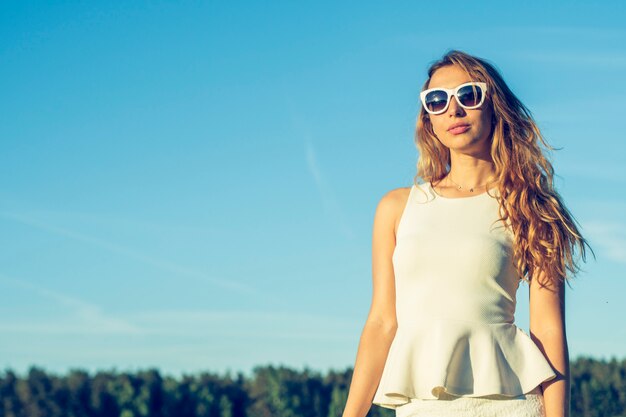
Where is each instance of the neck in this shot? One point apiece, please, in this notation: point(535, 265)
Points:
point(471, 172)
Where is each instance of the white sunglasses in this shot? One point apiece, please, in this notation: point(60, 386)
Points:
point(469, 96)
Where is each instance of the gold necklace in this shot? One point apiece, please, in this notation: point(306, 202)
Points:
point(460, 188)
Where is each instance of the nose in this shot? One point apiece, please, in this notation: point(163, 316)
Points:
point(454, 107)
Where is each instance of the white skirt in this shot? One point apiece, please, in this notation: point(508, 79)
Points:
point(530, 404)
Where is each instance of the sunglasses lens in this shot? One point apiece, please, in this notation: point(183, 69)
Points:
point(470, 96)
point(436, 100)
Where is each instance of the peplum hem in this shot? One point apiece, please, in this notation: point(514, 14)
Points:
point(469, 359)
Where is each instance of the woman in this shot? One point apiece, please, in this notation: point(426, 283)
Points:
point(449, 255)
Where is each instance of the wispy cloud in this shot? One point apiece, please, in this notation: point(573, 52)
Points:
point(610, 237)
point(176, 269)
point(329, 201)
point(590, 169)
point(85, 318)
point(244, 323)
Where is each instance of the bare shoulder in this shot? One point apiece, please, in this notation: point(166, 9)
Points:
point(395, 199)
point(388, 212)
point(392, 204)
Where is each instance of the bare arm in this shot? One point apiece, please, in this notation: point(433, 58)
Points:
point(380, 326)
point(547, 328)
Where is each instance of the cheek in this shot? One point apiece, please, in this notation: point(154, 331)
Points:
point(487, 116)
point(438, 129)
point(486, 126)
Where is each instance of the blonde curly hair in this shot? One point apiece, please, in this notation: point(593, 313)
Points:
point(545, 234)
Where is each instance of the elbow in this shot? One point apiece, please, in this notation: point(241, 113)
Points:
point(548, 332)
point(550, 339)
point(387, 326)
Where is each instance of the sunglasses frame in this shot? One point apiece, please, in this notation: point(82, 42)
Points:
point(453, 92)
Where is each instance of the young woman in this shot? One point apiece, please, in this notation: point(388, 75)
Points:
point(448, 257)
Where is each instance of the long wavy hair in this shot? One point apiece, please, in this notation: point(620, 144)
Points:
point(545, 235)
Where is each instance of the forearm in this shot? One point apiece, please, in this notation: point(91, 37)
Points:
point(370, 361)
point(556, 392)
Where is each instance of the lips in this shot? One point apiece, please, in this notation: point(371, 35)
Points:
point(460, 124)
point(458, 128)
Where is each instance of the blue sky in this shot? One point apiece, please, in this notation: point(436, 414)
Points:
point(191, 186)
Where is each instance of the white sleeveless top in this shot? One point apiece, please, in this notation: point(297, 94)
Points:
point(456, 285)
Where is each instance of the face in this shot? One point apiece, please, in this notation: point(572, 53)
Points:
point(475, 140)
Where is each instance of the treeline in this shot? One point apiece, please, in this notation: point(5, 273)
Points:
point(598, 390)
